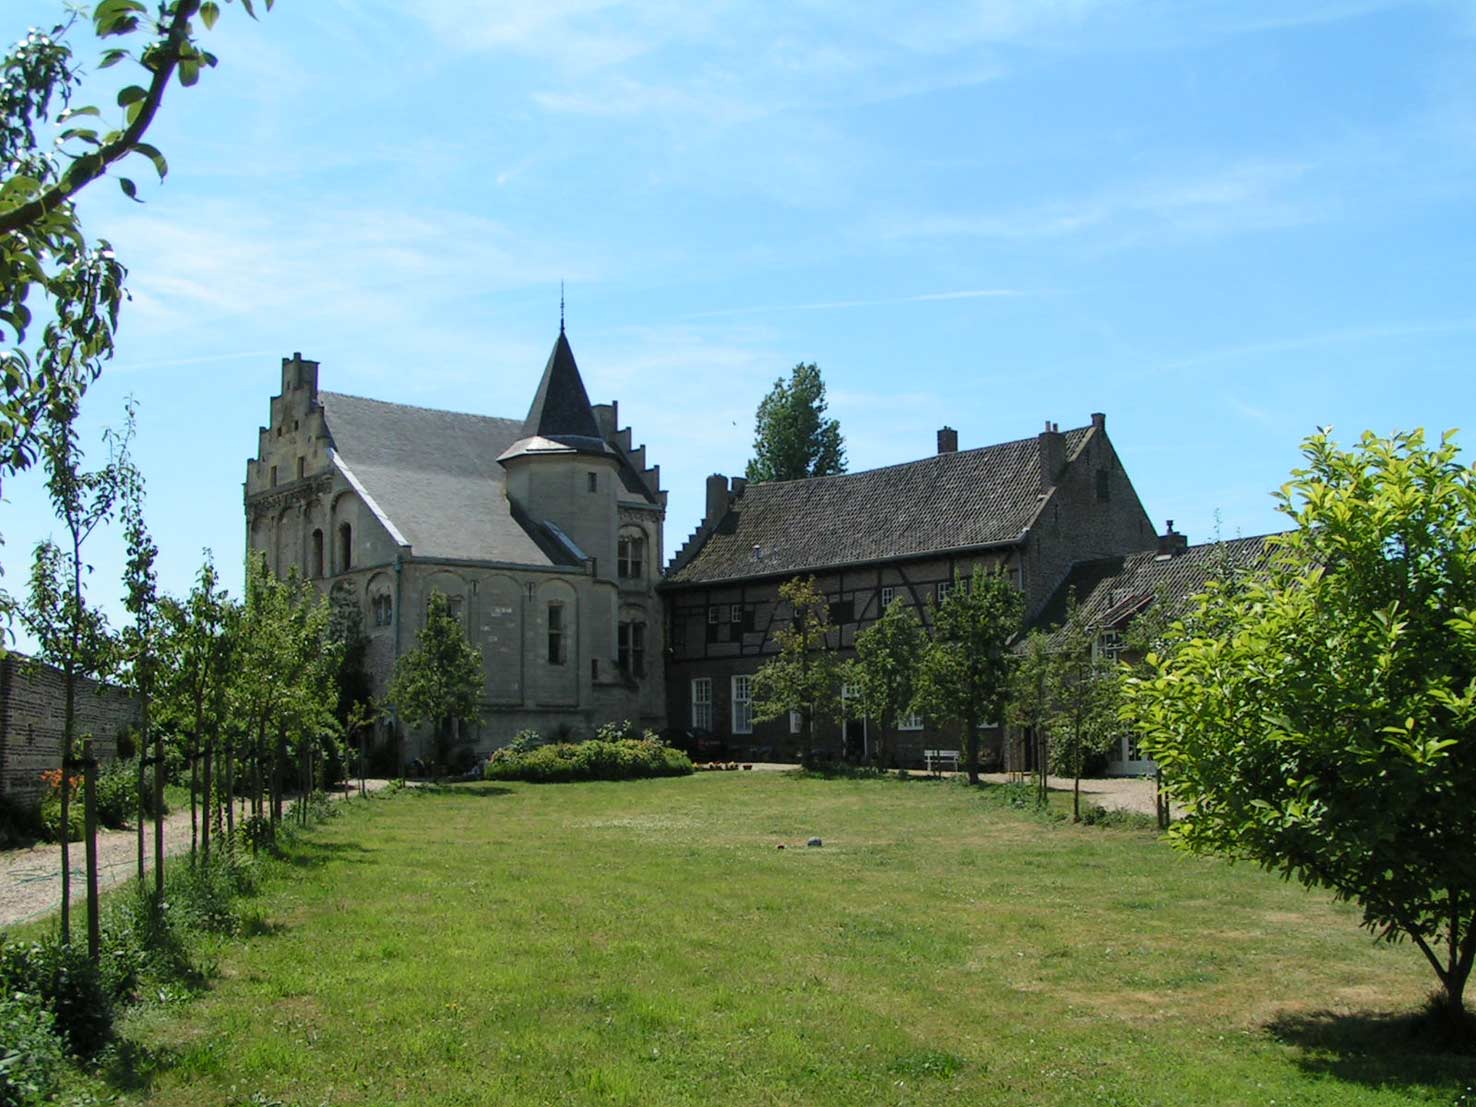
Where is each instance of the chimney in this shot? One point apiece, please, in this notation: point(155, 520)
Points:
point(1171, 543)
point(1099, 420)
point(739, 484)
point(947, 440)
point(1052, 455)
point(717, 499)
point(608, 418)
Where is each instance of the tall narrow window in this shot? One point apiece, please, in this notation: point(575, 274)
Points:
point(888, 594)
point(631, 554)
point(300, 463)
point(274, 476)
point(638, 648)
point(622, 645)
point(742, 705)
point(556, 652)
point(345, 547)
point(315, 566)
point(702, 703)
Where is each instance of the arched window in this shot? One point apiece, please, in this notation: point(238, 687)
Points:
point(345, 547)
point(315, 565)
point(630, 556)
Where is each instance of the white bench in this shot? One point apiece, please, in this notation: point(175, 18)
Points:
point(938, 760)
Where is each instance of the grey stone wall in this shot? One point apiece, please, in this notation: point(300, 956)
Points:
point(32, 706)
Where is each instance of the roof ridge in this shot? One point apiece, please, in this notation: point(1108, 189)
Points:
point(811, 481)
point(324, 394)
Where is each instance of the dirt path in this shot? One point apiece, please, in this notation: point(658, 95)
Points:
point(1115, 793)
point(30, 879)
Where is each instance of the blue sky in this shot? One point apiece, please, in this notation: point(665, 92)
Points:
point(1222, 223)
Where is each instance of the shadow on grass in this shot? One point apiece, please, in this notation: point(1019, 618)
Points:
point(475, 788)
point(309, 853)
point(1378, 1048)
point(129, 1066)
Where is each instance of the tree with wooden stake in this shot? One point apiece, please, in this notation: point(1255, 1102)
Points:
point(139, 646)
point(1083, 688)
point(884, 671)
point(1319, 718)
point(964, 676)
point(70, 634)
point(805, 677)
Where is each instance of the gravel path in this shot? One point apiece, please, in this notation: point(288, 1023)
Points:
point(1116, 793)
point(30, 879)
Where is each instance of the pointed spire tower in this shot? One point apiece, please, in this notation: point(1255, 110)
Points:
point(561, 419)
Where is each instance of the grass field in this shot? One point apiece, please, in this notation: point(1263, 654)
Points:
point(646, 943)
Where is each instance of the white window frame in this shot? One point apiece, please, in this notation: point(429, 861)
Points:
point(735, 613)
point(712, 613)
point(944, 588)
point(911, 721)
point(702, 703)
point(796, 722)
point(742, 712)
point(888, 594)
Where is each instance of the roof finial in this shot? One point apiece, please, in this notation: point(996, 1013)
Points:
point(561, 306)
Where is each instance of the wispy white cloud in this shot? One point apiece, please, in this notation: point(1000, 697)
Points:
point(833, 305)
point(1348, 336)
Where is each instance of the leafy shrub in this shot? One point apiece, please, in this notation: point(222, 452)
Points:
point(203, 896)
point(31, 1055)
point(1019, 794)
point(625, 759)
point(1119, 817)
point(51, 824)
point(117, 793)
point(20, 823)
point(524, 741)
point(67, 984)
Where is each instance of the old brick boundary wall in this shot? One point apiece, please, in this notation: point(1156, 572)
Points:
point(31, 709)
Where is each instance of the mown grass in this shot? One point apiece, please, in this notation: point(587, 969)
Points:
point(647, 943)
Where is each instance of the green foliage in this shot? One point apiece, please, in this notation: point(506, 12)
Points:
point(51, 818)
point(806, 675)
point(69, 985)
point(884, 671)
point(964, 675)
point(440, 680)
point(792, 439)
point(49, 152)
point(31, 1055)
point(1320, 720)
point(524, 741)
point(597, 759)
point(117, 793)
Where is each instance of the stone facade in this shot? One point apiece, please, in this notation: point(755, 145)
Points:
point(32, 705)
point(544, 533)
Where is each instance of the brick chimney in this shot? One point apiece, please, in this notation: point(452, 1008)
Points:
point(717, 498)
point(1052, 455)
point(947, 440)
point(1172, 543)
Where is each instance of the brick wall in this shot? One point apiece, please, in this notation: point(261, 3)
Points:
point(31, 711)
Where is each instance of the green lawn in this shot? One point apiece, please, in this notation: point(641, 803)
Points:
point(646, 943)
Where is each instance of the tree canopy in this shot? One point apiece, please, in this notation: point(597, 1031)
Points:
point(805, 676)
point(792, 439)
point(965, 671)
point(883, 674)
point(1320, 719)
point(440, 681)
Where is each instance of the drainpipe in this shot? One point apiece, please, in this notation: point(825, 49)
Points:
point(399, 618)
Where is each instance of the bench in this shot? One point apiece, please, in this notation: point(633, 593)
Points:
point(938, 760)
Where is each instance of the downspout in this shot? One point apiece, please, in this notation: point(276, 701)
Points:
point(399, 618)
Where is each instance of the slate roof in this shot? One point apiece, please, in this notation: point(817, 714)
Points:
point(1114, 589)
point(434, 476)
point(954, 501)
point(560, 418)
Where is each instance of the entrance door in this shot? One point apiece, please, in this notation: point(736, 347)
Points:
point(858, 748)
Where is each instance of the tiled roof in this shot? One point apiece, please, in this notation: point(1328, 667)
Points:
point(962, 500)
point(1114, 589)
point(434, 475)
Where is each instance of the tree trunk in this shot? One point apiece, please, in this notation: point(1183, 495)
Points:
point(971, 748)
point(230, 795)
point(158, 817)
point(89, 816)
point(194, 796)
point(363, 738)
point(69, 693)
point(1076, 774)
point(141, 751)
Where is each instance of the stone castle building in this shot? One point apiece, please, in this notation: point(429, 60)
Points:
point(544, 533)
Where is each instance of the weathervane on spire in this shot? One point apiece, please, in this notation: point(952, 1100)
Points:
point(561, 306)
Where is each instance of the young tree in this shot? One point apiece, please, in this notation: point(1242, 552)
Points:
point(884, 671)
point(48, 154)
point(806, 675)
point(70, 634)
point(792, 439)
point(1083, 689)
point(140, 647)
point(964, 676)
point(1321, 720)
point(1030, 704)
point(440, 681)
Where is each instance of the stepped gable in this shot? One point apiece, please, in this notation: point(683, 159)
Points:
point(433, 476)
point(1112, 590)
point(953, 501)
